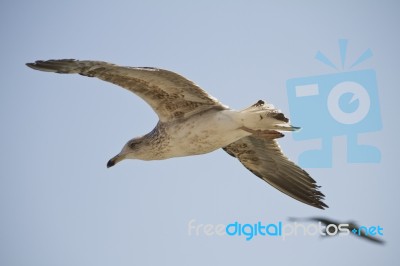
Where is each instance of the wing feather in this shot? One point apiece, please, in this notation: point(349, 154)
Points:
point(264, 158)
point(169, 94)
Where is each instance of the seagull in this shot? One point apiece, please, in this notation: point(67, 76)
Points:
point(351, 226)
point(192, 122)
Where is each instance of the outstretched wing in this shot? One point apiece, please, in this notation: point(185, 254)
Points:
point(170, 95)
point(264, 158)
point(359, 232)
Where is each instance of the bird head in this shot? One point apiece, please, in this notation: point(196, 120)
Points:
point(133, 149)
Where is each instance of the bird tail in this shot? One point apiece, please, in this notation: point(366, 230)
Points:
point(262, 116)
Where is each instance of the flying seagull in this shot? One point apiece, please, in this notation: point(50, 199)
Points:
point(193, 122)
point(353, 228)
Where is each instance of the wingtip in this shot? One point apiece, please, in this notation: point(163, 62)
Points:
point(31, 65)
point(317, 200)
point(321, 205)
point(52, 65)
point(36, 65)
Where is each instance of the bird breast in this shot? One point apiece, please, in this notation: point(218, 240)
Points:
point(203, 133)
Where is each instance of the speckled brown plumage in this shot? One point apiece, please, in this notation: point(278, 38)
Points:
point(193, 122)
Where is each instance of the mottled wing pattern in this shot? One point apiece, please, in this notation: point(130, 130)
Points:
point(170, 95)
point(264, 158)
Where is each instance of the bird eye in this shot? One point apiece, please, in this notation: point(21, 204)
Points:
point(132, 144)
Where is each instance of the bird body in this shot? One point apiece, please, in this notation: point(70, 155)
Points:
point(198, 134)
point(192, 122)
point(202, 133)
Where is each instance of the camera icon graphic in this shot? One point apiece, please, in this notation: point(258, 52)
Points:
point(344, 103)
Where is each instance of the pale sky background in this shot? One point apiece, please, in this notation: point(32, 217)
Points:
point(59, 203)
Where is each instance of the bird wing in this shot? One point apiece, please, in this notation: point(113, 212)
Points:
point(351, 226)
point(170, 95)
point(264, 158)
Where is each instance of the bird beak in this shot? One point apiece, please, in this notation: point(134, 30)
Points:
point(113, 161)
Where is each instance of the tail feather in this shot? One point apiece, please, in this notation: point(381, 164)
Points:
point(262, 116)
point(287, 128)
